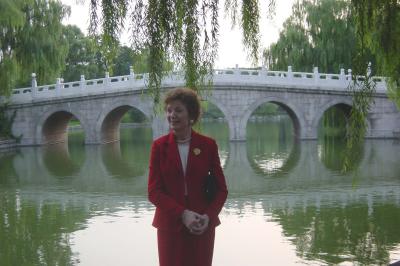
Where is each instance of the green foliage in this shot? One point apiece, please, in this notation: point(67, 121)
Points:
point(182, 31)
point(134, 116)
point(334, 121)
point(362, 91)
point(211, 111)
point(6, 123)
point(341, 34)
point(318, 33)
point(268, 109)
point(250, 26)
point(31, 40)
point(87, 57)
point(12, 19)
point(378, 28)
point(83, 56)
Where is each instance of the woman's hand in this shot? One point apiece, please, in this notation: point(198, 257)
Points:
point(190, 219)
point(201, 226)
point(196, 223)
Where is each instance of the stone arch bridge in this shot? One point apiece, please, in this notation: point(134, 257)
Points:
point(43, 112)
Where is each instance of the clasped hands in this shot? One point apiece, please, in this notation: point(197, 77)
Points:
point(196, 223)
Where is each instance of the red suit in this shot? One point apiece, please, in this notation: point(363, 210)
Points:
point(177, 247)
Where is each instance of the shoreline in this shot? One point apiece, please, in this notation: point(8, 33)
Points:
point(7, 144)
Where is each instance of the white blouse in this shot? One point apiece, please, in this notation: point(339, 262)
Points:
point(183, 153)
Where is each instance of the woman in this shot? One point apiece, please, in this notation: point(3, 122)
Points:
point(179, 164)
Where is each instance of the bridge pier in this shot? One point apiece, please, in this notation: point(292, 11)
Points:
point(159, 125)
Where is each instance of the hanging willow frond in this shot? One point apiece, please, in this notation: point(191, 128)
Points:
point(362, 89)
point(185, 31)
point(378, 23)
point(251, 28)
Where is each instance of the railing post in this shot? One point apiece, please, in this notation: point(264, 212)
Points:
point(107, 79)
point(58, 87)
point(316, 75)
point(131, 75)
point(237, 71)
point(290, 73)
point(82, 83)
point(342, 74)
point(34, 86)
point(369, 70)
point(82, 80)
point(264, 69)
point(349, 75)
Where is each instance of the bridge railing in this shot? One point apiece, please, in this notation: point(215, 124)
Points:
point(221, 77)
point(292, 79)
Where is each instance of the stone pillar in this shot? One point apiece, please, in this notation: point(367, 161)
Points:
point(237, 70)
point(92, 132)
point(107, 79)
point(290, 73)
point(237, 129)
point(316, 75)
point(264, 71)
point(342, 74)
point(34, 86)
point(349, 75)
point(82, 84)
point(159, 125)
point(58, 87)
point(131, 76)
point(308, 133)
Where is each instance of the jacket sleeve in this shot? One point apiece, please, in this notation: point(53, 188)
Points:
point(222, 192)
point(156, 191)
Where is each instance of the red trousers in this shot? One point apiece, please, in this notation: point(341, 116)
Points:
point(185, 249)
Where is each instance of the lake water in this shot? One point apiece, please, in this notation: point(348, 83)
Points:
point(289, 202)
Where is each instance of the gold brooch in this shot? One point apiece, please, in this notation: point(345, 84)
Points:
point(196, 151)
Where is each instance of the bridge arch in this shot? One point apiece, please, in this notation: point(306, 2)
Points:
point(293, 112)
point(226, 113)
point(341, 103)
point(52, 126)
point(57, 160)
point(108, 122)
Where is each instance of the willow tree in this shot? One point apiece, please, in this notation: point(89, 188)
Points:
point(182, 31)
point(377, 32)
point(31, 40)
point(378, 29)
point(318, 33)
point(83, 56)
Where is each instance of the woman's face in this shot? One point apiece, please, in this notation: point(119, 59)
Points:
point(177, 116)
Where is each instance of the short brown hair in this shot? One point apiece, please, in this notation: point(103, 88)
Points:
point(189, 98)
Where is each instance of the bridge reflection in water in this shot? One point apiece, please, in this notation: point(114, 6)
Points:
point(52, 197)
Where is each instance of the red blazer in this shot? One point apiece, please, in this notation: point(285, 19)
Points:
point(166, 181)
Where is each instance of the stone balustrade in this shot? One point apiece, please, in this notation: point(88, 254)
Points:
point(220, 78)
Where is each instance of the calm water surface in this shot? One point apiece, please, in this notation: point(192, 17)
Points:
point(289, 203)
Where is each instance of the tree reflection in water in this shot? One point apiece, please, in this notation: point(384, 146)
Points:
point(36, 233)
point(59, 162)
point(353, 233)
point(128, 157)
point(272, 148)
point(331, 152)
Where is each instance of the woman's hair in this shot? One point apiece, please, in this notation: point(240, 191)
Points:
point(188, 98)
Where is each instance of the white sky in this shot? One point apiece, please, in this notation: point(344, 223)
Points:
point(230, 52)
